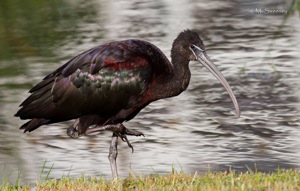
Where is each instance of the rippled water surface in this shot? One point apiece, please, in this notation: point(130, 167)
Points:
point(257, 52)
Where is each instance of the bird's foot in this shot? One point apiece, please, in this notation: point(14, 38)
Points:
point(121, 131)
point(125, 139)
point(118, 129)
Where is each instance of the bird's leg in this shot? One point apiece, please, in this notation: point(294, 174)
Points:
point(113, 153)
point(119, 130)
point(98, 128)
point(73, 130)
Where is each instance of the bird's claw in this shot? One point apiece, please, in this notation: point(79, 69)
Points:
point(123, 135)
point(124, 139)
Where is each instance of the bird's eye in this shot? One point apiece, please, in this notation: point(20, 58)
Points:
point(194, 48)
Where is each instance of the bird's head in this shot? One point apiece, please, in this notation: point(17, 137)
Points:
point(189, 46)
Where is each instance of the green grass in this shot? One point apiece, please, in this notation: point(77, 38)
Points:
point(280, 180)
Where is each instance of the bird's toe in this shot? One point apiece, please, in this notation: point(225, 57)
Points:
point(134, 133)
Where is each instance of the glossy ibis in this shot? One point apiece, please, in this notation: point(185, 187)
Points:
point(107, 85)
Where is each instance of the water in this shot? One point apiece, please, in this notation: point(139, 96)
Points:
point(195, 131)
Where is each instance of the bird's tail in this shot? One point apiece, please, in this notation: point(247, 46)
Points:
point(34, 124)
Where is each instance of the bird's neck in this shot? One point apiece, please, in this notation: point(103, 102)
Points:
point(182, 75)
point(175, 84)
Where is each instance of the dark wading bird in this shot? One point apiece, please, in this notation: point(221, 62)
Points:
point(111, 83)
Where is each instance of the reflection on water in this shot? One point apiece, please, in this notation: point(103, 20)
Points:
point(194, 131)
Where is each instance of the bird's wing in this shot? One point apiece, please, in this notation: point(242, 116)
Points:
point(100, 81)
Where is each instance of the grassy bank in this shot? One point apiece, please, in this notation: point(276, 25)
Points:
point(281, 180)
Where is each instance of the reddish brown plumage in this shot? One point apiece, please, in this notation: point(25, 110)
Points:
point(136, 62)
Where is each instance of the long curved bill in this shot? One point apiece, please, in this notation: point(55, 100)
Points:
point(203, 58)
